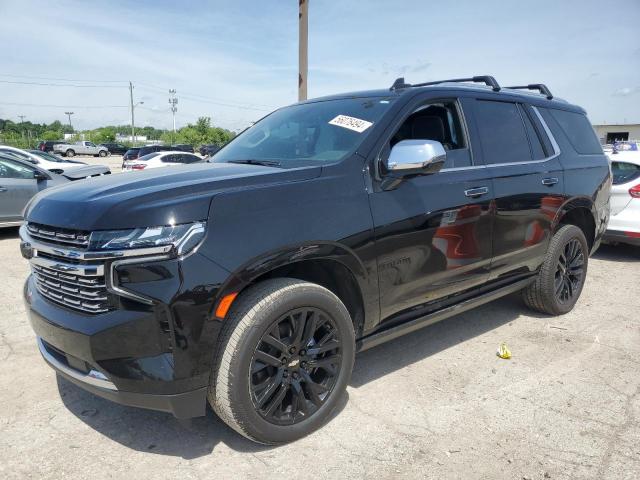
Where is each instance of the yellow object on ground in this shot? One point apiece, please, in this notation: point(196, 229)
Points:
point(503, 351)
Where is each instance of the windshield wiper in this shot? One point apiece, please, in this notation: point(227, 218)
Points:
point(266, 163)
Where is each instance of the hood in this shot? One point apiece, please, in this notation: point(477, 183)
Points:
point(150, 198)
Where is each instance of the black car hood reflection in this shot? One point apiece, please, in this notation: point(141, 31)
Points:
point(150, 198)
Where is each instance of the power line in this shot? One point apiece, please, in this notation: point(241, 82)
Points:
point(61, 106)
point(60, 84)
point(227, 103)
point(61, 79)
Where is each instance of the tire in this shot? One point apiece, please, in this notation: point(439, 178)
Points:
point(558, 287)
point(238, 371)
point(69, 153)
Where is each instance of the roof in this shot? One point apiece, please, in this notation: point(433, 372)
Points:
point(533, 98)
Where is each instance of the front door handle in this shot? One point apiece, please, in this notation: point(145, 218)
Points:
point(550, 181)
point(476, 192)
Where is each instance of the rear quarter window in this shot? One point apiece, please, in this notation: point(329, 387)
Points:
point(578, 130)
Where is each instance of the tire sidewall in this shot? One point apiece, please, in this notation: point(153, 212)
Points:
point(304, 295)
point(567, 234)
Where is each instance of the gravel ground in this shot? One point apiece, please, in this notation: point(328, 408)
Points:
point(435, 404)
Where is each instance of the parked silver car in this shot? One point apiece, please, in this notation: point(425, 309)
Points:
point(19, 181)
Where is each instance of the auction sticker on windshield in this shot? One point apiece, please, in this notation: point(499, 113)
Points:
point(352, 123)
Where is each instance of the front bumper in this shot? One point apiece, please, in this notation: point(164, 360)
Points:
point(181, 405)
point(151, 348)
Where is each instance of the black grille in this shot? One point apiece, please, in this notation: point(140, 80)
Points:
point(79, 292)
point(59, 236)
point(72, 282)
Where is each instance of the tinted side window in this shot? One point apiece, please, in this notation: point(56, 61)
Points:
point(578, 130)
point(502, 133)
point(534, 139)
point(189, 158)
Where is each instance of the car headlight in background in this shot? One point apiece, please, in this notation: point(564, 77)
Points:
point(184, 237)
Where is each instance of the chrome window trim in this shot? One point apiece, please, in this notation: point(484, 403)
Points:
point(94, 377)
point(554, 145)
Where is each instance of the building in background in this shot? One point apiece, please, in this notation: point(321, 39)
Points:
point(622, 132)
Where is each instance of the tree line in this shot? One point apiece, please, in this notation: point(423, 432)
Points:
point(28, 134)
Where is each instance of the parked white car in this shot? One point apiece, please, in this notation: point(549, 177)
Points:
point(161, 159)
point(81, 148)
point(624, 223)
point(48, 162)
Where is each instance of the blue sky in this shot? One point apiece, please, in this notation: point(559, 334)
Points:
point(235, 61)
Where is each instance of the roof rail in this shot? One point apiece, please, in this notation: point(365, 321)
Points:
point(541, 87)
point(486, 79)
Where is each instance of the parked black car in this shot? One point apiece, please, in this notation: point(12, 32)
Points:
point(328, 227)
point(131, 154)
point(47, 146)
point(183, 147)
point(115, 148)
point(206, 150)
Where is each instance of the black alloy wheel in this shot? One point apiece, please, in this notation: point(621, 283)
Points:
point(295, 366)
point(569, 271)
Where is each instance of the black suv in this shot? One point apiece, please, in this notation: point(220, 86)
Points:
point(326, 228)
point(47, 146)
point(115, 148)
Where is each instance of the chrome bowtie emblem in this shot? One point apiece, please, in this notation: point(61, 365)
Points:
point(294, 363)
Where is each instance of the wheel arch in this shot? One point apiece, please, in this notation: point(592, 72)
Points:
point(331, 265)
point(581, 213)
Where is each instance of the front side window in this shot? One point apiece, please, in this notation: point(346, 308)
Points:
point(438, 121)
point(502, 132)
point(306, 134)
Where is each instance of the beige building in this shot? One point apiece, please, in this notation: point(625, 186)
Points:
point(609, 133)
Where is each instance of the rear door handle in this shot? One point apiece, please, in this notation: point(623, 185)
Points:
point(476, 192)
point(550, 181)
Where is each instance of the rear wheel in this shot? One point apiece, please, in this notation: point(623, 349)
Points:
point(69, 153)
point(562, 275)
point(102, 153)
point(284, 359)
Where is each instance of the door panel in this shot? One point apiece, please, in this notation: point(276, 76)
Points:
point(527, 200)
point(14, 195)
point(432, 240)
point(529, 186)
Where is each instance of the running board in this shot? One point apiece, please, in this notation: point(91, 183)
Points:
point(382, 336)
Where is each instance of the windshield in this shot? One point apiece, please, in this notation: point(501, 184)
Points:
point(48, 156)
point(320, 132)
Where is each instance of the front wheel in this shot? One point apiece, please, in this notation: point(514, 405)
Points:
point(562, 274)
point(284, 360)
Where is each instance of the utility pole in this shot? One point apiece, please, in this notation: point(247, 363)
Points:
point(133, 128)
point(133, 107)
point(68, 114)
point(21, 118)
point(303, 58)
point(173, 101)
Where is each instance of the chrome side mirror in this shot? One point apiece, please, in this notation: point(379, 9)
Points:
point(416, 157)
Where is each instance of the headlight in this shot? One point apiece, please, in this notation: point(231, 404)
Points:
point(184, 237)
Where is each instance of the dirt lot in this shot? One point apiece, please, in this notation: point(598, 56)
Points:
point(435, 404)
